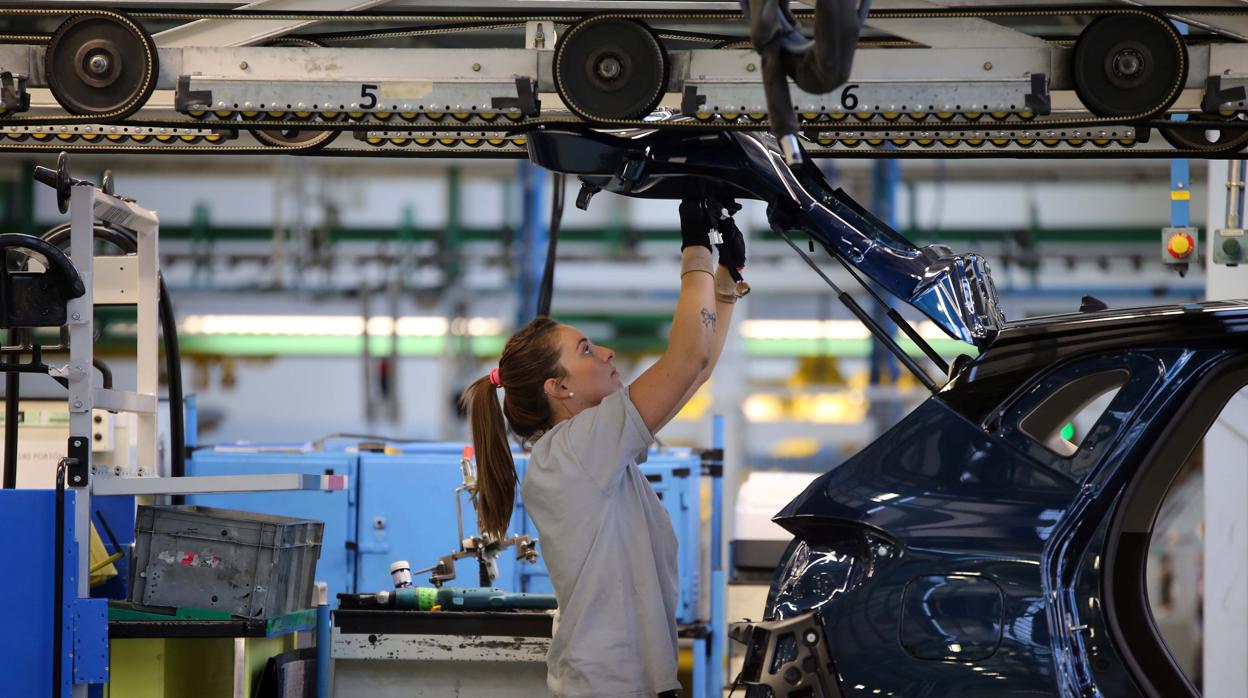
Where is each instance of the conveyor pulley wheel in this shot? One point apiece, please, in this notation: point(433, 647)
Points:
point(1131, 65)
point(101, 65)
point(1231, 139)
point(288, 137)
point(608, 68)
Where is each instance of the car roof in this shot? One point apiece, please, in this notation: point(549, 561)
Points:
point(1210, 319)
point(1029, 347)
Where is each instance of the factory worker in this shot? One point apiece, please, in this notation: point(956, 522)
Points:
point(608, 543)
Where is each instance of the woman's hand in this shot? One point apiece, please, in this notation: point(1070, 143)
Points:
point(696, 223)
point(732, 249)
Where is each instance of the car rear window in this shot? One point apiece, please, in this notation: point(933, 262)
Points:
point(1063, 420)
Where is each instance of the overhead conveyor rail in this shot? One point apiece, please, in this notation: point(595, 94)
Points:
point(970, 80)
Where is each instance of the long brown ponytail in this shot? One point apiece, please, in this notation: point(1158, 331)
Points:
point(529, 358)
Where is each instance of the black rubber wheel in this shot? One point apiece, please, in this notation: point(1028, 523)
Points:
point(101, 65)
point(294, 137)
point(608, 69)
point(291, 136)
point(1221, 140)
point(1129, 65)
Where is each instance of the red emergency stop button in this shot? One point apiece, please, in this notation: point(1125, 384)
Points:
point(1180, 245)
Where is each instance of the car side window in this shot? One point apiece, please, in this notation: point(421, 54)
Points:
point(1062, 420)
point(1067, 416)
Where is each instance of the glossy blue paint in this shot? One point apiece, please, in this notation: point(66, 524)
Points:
point(978, 498)
point(954, 291)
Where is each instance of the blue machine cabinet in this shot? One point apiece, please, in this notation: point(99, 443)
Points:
point(407, 512)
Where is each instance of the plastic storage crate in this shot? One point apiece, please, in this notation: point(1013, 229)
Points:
point(251, 565)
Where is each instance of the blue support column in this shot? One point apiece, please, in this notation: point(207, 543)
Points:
point(885, 177)
point(1180, 192)
point(534, 235)
point(719, 624)
point(323, 660)
point(1180, 175)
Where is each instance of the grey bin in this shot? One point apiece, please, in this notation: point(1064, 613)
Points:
point(251, 565)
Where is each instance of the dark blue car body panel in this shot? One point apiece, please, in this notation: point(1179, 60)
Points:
point(960, 492)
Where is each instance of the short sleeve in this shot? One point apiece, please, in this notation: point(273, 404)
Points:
point(608, 437)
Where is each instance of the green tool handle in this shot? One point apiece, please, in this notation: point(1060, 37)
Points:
point(470, 599)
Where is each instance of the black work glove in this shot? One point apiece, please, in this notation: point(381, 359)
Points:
point(696, 223)
point(732, 249)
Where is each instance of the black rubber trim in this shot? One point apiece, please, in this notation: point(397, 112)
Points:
point(1128, 612)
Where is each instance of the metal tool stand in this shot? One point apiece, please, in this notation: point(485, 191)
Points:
point(119, 280)
point(117, 277)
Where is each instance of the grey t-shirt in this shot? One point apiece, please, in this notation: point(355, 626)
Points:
point(611, 552)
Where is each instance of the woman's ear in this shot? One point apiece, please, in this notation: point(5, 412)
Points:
point(552, 388)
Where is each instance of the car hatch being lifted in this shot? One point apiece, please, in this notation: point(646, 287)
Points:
point(955, 291)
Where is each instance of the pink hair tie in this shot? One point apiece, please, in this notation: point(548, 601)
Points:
point(494, 379)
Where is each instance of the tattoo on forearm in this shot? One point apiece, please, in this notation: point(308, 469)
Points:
point(708, 319)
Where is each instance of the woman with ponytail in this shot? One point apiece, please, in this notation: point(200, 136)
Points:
point(608, 543)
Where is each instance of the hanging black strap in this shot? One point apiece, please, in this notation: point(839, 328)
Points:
point(547, 288)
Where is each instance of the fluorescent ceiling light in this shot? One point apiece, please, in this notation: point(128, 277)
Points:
point(336, 325)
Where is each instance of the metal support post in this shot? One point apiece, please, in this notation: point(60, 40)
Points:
point(719, 626)
point(885, 412)
point(322, 640)
point(81, 392)
point(1225, 601)
point(531, 252)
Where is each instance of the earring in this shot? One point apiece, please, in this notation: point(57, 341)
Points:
point(570, 393)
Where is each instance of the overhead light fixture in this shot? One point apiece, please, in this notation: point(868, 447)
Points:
point(337, 325)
